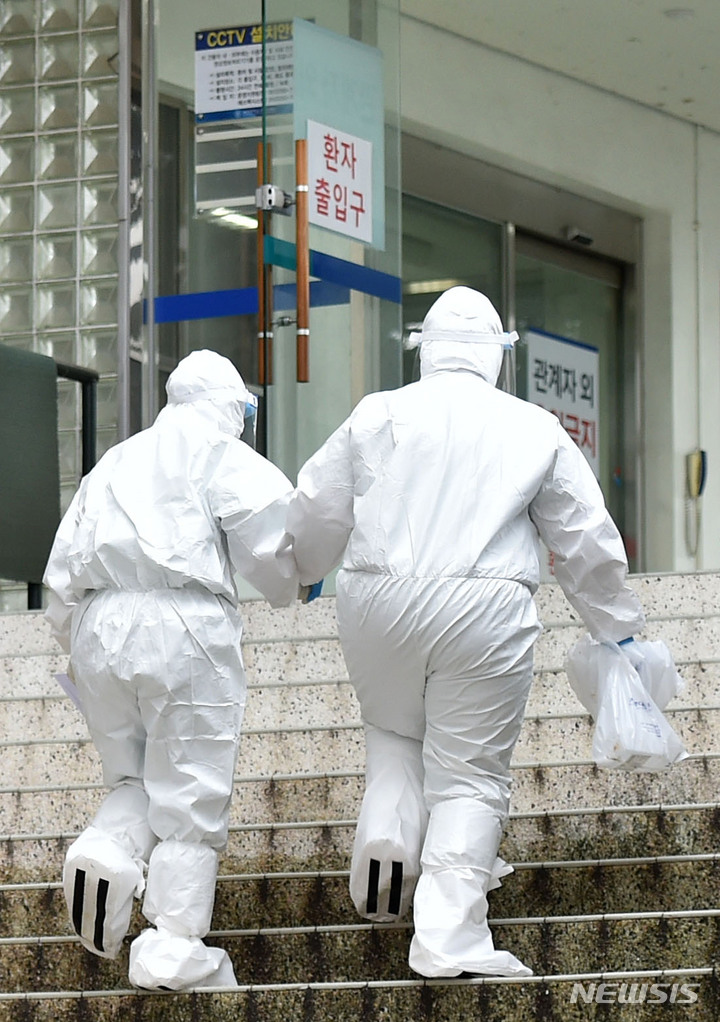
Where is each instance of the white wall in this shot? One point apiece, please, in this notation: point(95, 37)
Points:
point(547, 126)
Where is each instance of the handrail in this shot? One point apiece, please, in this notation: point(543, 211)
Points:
point(87, 378)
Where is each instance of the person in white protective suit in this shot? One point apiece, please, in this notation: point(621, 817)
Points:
point(434, 496)
point(142, 596)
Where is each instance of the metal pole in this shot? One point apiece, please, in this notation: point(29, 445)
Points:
point(123, 349)
point(149, 116)
point(509, 375)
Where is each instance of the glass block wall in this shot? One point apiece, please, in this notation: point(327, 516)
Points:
point(58, 204)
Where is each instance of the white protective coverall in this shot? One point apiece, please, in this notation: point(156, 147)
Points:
point(433, 496)
point(142, 596)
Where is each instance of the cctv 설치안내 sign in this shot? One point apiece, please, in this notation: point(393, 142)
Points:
point(229, 71)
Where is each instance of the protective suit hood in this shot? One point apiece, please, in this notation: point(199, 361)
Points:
point(462, 330)
point(212, 384)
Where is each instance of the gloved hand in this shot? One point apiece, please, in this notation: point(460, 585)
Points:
point(654, 663)
point(309, 593)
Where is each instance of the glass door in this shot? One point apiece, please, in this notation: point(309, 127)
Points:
point(575, 357)
point(335, 157)
point(443, 248)
point(237, 84)
point(574, 360)
point(203, 288)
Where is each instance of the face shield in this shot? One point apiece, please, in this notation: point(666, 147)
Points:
point(249, 433)
point(507, 378)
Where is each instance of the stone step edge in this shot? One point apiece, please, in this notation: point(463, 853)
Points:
point(344, 874)
point(576, 977)
point(302, 640)
point(278, 683)
point(559, 624)
point(346, 725)
point(691, 758)
point(538, 672)
point(347, 928)
point(540, 814)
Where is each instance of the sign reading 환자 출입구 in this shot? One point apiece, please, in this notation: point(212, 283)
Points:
point(228, 71)
point(340, 172)
point(563, 377)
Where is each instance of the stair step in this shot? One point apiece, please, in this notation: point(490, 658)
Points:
point(330, 704)
point(321, 898)
point(645, 843)
point(28, 635)
point(316, 748)
point(579, 833)
point(663, 595)
point(570, 998)
point(28, 686)
point(256, 800)
point(264, 753)
point(337, 795)
point(303, 844)
point(361, 952)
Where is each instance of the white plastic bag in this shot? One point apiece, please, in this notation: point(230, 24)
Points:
point(631, 732)
point(654, 663)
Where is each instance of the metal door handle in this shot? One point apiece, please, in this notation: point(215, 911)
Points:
point(264, 275)
point(302, 255)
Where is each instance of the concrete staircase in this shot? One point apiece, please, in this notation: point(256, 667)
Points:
point(616, 876)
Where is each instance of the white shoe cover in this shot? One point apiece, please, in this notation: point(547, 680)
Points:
point(161, 960)
point(100, 880)
point(383, 877)
point(181, 887)
point(466, 944)
point(391, 828)
point(123, 815)
point(459, 866)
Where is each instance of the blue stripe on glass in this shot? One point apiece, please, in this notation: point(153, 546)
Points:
point(337, 271)
point(242, 301)
point(338, 277)
point(206, 305)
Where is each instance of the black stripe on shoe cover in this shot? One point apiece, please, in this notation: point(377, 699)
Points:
point(373, 882)
point(100, 909)
point(395, 888)
point(78, 902)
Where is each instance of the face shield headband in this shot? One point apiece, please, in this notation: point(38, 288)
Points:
point(417, 338)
